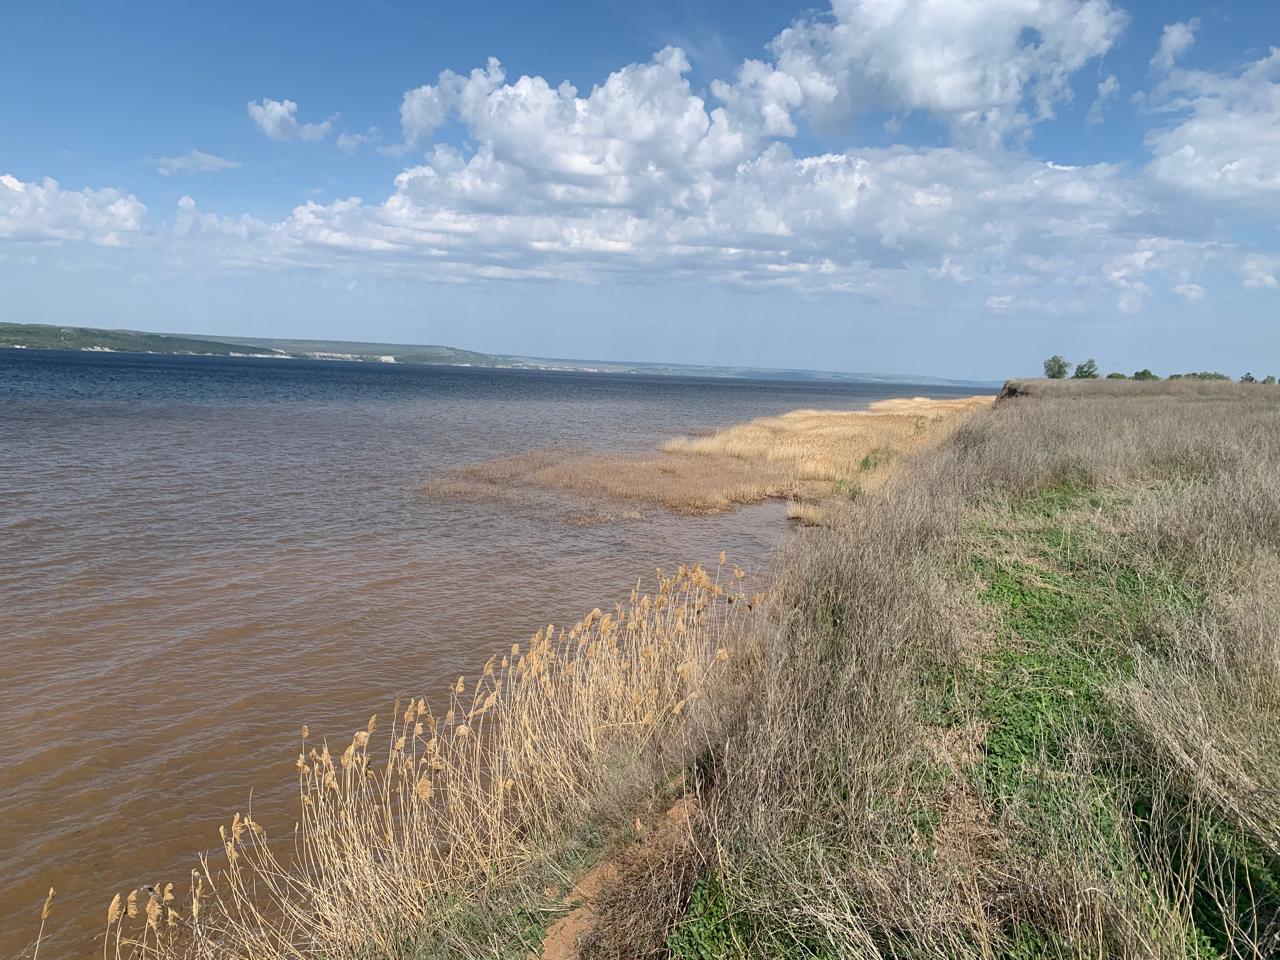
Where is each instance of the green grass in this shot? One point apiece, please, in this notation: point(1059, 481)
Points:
point(850, 489)
point(1075, 609)
point(511, 934)
point(513, 930)
point(709, 930)
point(706, 931)
point(1072, 609)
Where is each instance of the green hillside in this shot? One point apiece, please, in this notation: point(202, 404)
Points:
point(403, 352)
point(39, 336)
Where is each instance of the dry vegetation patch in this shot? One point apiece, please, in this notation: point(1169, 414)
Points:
point(449, 833)
point(1123, 693)
point(626, 904)
point(804, 456)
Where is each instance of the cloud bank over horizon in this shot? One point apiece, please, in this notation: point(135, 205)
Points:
point(646, 176)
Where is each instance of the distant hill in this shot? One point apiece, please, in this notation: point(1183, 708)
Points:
point(45, 337)
point(744, 373)
point(342, 349)
point(39, 336)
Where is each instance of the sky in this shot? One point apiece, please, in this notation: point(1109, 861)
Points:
point(943, 187)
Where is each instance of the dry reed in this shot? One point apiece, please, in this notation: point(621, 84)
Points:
point(430, 830)
point(803, 456)
point(830, 445)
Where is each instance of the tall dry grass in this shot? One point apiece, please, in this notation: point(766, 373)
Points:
point(828, 445)
point(851, 817)
point(443, 833)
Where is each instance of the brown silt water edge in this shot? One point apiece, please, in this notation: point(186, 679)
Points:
point(201, 555)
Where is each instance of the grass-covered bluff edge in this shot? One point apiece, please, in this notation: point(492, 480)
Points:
point(1022, 702)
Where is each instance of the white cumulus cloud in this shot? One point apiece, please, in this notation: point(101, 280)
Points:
point(425, 108)
point(988, 70)
point(278, 119)
point(646, 176)
point(45, 212)
point(886, 223)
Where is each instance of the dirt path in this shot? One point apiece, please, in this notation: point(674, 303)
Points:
point(566, 935)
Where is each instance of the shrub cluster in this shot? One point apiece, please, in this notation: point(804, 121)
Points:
point(1058, 367)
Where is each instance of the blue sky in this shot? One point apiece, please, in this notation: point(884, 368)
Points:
point(933, 186)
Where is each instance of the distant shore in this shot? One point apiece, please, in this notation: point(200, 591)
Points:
point(51, 337)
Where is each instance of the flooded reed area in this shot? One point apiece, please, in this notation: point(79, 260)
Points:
point(200, 555)
point(803, 456)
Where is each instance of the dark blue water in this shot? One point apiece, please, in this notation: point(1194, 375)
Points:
point(56, 375)
point(200, 554)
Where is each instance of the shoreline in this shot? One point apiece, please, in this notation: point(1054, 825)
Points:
point(860, 418)
point(90, 339)
point(954, 667)
point(281, 623)
point(662, 510)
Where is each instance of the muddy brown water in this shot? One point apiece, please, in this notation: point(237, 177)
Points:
point(199, 555)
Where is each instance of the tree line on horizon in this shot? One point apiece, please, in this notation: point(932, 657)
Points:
point(1057, 367)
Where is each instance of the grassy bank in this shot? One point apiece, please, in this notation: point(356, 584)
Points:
point(1021, 701)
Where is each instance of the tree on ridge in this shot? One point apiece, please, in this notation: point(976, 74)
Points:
point(1055, 368)
point(1087, 370)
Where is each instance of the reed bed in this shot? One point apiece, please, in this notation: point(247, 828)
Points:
point(830, 445)
point(448, 833)
point(598, 483)
point(805, 456)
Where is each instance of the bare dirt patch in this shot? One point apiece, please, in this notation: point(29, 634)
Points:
point(605, 921)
